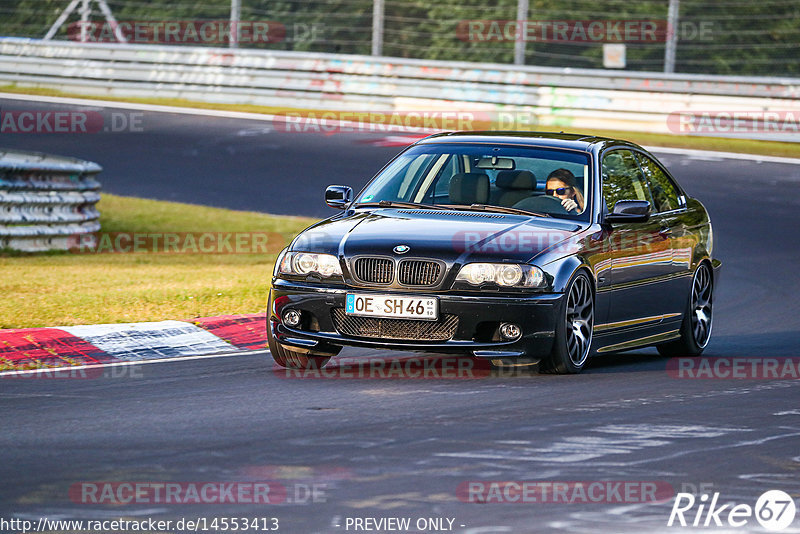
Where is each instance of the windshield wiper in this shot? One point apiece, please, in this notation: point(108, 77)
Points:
point(500, 209)
point(401, 204)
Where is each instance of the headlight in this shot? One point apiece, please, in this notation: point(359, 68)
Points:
point(279, 262)
point(328, 265)
point(503, 274)
point(509, 275)
point(303, 263)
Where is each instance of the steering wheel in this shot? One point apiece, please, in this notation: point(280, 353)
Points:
point(537, 203)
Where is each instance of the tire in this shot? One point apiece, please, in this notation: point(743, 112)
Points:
point(295, 360)
point(574, 329)
point(697, 319)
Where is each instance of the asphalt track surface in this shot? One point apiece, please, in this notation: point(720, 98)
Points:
point(401, 447)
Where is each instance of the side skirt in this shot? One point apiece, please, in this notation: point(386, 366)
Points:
point(641, 342)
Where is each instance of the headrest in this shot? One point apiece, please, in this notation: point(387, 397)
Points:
point(516, 180)
point(469, 188)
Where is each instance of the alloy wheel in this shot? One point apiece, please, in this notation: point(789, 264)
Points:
point(701, 306)
point(580, 320)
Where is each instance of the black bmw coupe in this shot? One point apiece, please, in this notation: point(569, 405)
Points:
point(520, 248)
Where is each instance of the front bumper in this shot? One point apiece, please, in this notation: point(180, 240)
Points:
point(534, 313)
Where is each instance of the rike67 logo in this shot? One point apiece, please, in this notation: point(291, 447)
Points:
point(774, 510)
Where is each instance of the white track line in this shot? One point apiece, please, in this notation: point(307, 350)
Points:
point(273, 118)
point(150, 340)
point(66, 369)
point(139, 107)
point(263, 117)
point(722, 155)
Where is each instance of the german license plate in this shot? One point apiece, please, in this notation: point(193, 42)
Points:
point(392, 306)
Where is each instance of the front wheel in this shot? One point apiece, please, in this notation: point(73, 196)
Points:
point(295, 360)
point(697, 320)
point(574, 328)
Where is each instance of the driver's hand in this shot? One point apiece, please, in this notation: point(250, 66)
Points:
point(569, 204)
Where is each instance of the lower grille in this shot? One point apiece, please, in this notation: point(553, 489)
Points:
point(404, 329)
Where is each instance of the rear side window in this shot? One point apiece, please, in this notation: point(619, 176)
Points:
point(665, 194)
point(622, 179)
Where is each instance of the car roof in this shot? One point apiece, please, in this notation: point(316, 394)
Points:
point(540, 139)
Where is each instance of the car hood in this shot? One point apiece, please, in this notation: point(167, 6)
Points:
point(453, 236)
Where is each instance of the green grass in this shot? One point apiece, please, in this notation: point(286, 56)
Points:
point(55, 289)
point(745, 146)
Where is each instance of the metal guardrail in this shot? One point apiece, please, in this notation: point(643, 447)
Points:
point(571, 98)
point(47, 202)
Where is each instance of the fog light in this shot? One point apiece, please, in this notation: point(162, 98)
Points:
point(510, 331)
point(291, 318)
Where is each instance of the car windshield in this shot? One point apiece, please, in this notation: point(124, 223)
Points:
point(540, 181)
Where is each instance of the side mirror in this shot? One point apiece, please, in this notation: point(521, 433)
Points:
point(626, 211)
point(338, 196)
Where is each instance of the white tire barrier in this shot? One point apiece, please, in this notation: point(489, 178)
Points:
point(47, 202)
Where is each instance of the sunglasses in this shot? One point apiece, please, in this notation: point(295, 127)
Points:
point(559, 191)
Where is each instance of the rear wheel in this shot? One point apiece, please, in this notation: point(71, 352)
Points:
point(697, 320)
point(292, 359)
point(574, 328)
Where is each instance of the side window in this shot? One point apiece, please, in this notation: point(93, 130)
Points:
point(622, 179)
point(665, 194)
point(450, 168)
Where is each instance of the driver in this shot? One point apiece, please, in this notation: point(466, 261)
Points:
point(562, 184)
